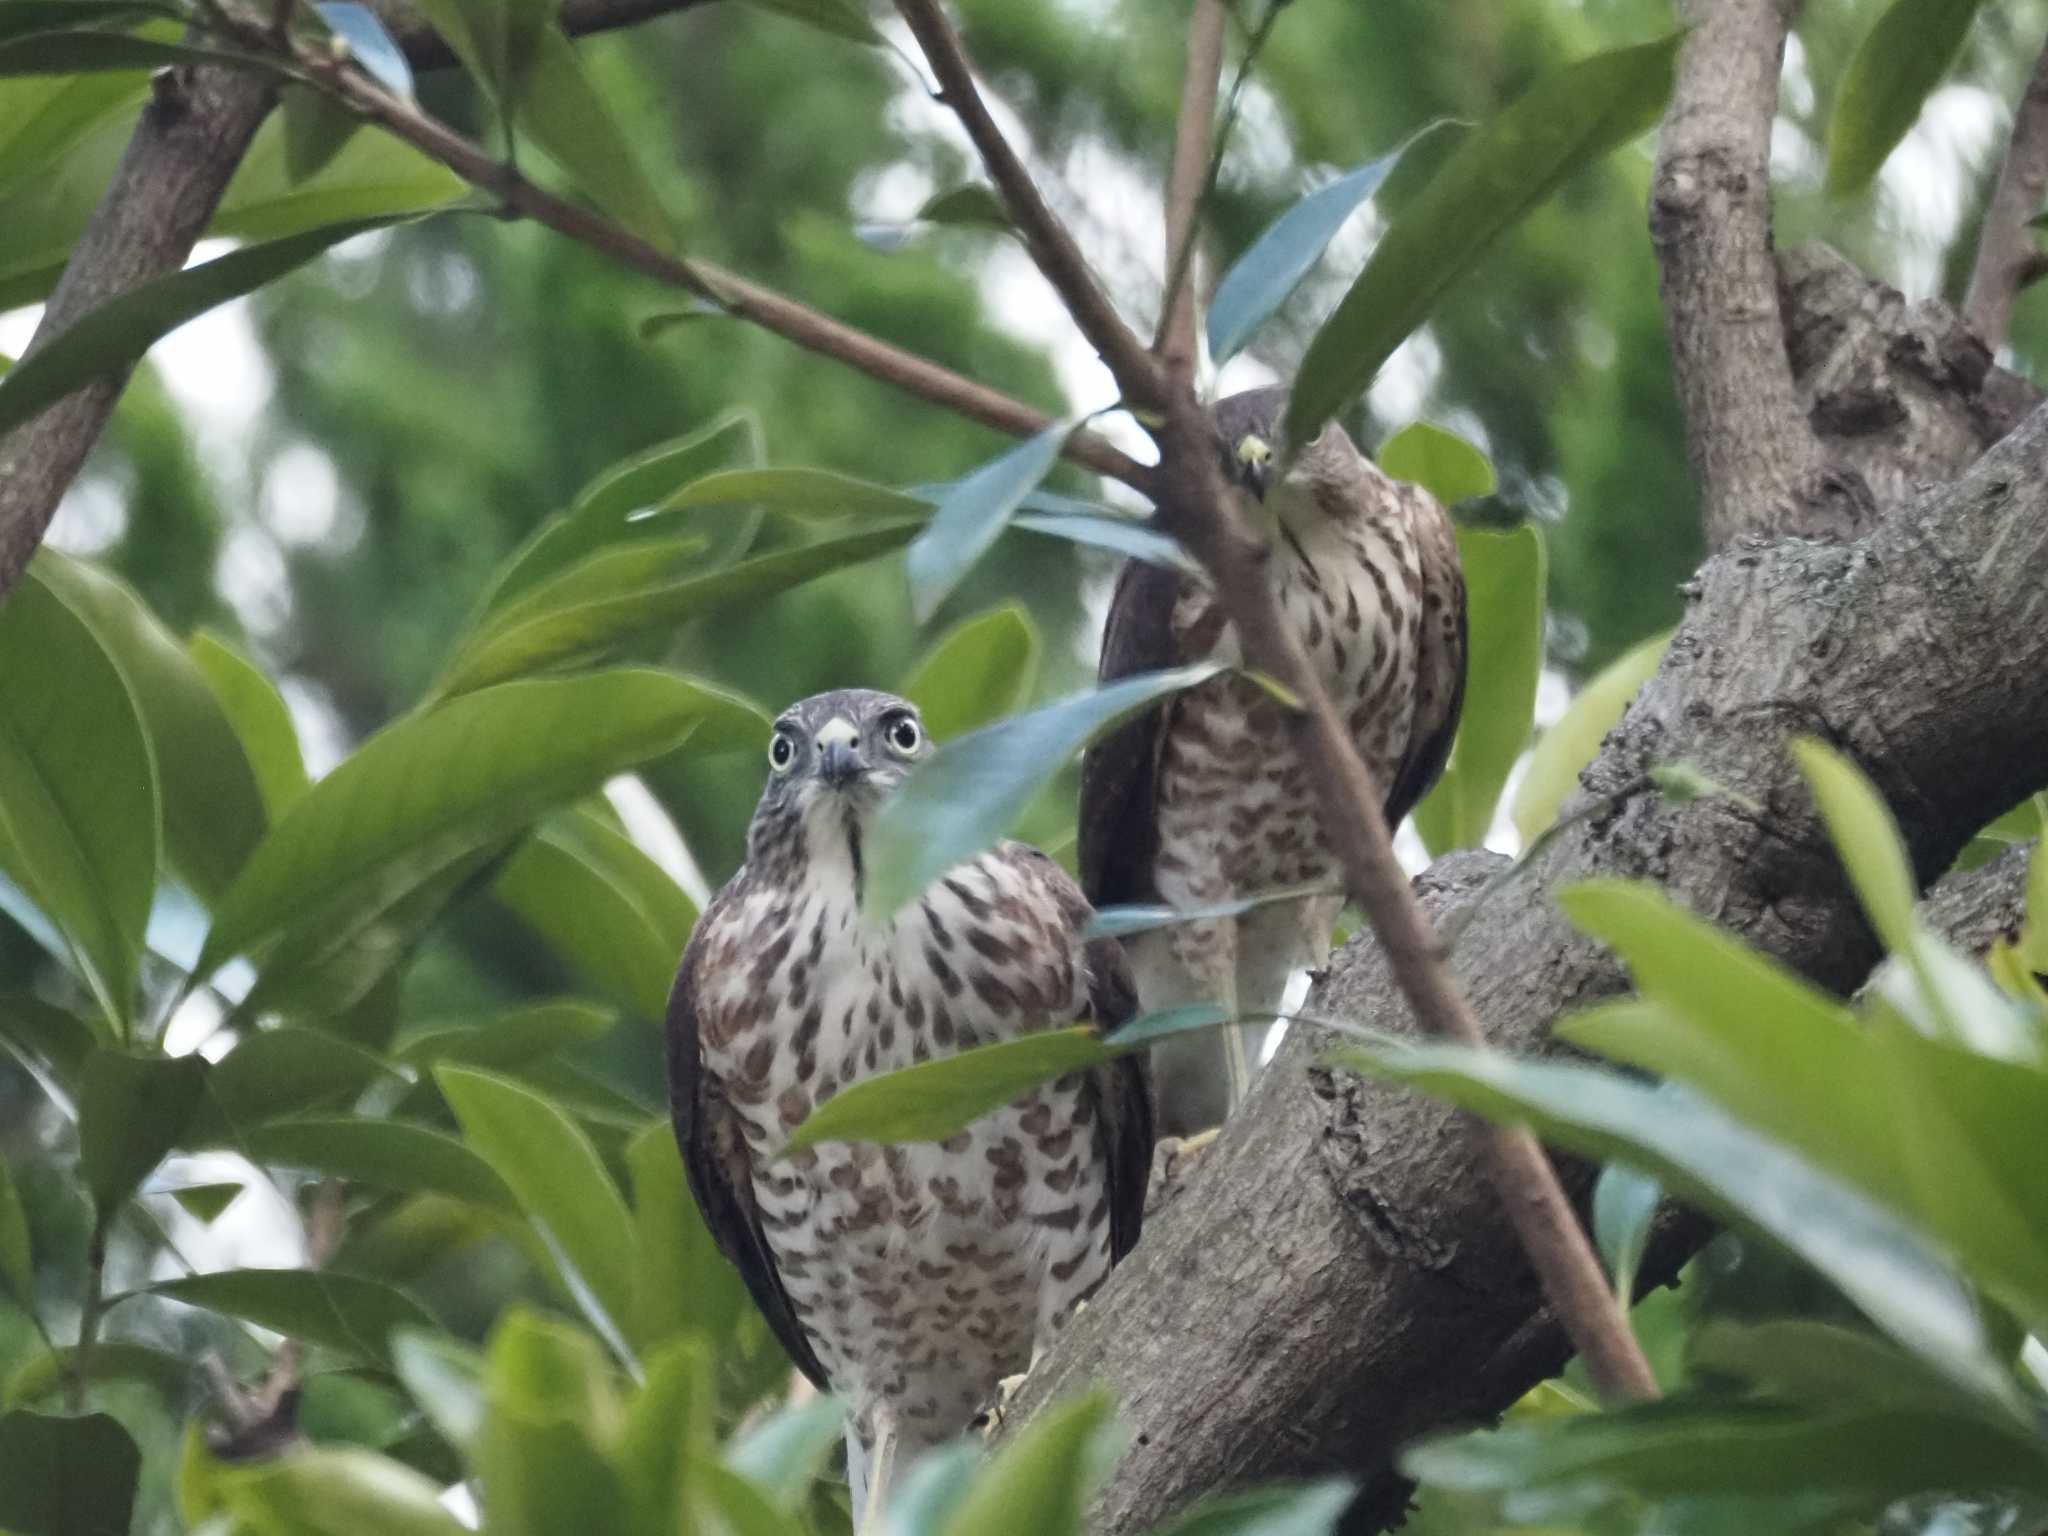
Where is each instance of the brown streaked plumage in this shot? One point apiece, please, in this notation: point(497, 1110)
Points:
point(1201, 799)
point(911, 1279)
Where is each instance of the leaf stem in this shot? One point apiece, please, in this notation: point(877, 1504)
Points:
point(93, 1310)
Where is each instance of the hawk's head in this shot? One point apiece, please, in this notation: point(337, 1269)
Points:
point(832, 759)
point(1251, 436)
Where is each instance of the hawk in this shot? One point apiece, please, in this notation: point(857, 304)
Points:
point(910, 1279)
point(1201, 800)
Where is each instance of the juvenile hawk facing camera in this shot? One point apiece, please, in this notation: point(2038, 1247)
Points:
point(910, 1279)
point(1201, 800)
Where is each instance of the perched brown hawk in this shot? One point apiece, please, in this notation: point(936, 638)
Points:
point(909, 1279)
point(1201, 800)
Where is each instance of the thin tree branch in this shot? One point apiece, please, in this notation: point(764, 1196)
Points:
point(1186, 182)
point(2008, 257)
point(191, 136)
point(1047, 239)
point(1759, 467)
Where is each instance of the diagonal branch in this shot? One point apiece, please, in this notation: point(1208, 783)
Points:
point(184, 151)
point(1185, 184)
point(2008, 259)
point(1048, 240)
point(1759, 467)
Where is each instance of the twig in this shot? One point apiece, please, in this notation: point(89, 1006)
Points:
point(92, 1311)
point(184, 150)
point(1536, 1204)
point(2006, 252)
point(1187, 182)
point(1051, 246)
point(1710, 219)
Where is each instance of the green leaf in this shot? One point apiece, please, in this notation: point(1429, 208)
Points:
point(109, 339)
point(973, 513)
point(806, 493)
point(1122, 535)
point(1441, 462)
point(2033, 945)
point(46, 1374)
point(261, 721)
point(1505, 582)
point(78, 796)
point(1564, 750)
point(212, 810)
point(445, 1377)
point(934, 1486)
point(372, 176)
point(669, 1424)
point(66, 1477)
point(1624, 1204)
point(131, 1111)
point(840, 18)
point(277, 1072)
point(602, 905)
point(557, 1176)
point(513, 1040)
point(936, 1099)
point(1312, 1509)
point(551, 1413)
point(74, 53)
point(205, 1202)
point(783, 1453)
point(1896, 68)
point(435, 788)
point(369, 44)
point(1122, 922)
point(967, 794)
point(563, 112)
point(50, 1043)
point(386, 1154)
point(18, 18)
point(971, 205)
point(1177, 1020)
point(344, 1312)
point(1044, 1477)
point(316, 128)
point(1260, 280)
point(977, 672)
point(1504, 168)
point(602, 512)
point(17, 1262)
point(684, 1286)
point(337, 1491)
point(1883, 1265)
point(1865, 838)
point(540, 634)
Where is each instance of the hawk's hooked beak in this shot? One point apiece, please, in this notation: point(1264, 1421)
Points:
point(839, 759)
point(1254, 456)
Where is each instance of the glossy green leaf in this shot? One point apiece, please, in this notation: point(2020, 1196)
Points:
point(1564, 750)
point(511, 1040)
point(1122, 922)
point(1505, 586)
point(669, 1425)
point(17, 1262)
point(551, 1412)
point(1882, 1264)
point(1441, 462)
point(66, 1476)
point(2033, 946)
point(277, 1072)
point(556, 1175)
point(807, 493)
point(337, 1491)
point(18, 18)
point(541, 635)
point(1828, 1366)
point(603, 511)
point(1311, 1509)
point(46, 1374)
point(563, 112)
point(1624, 1204)
point(971, 205)
point(436, 787)
point(1260, 280)
point(977, 672)
point(933, 1487)
point(1048, 1470)
point(109, 339)
point(967, 794)
point(261, 721)
point(212, 809)
point(840, 18)
point(972, 515)
point(349, 1313)
point(48, 1041)
point(1900, 61)
point(782, 1454)
point(602, 905)
point(78, 796)
point(131, 1111)
point(1120, 535)
point(372, 176)
point(316, 128)
point(935, 1099)
point(445, 1378)
point(86, 52)
point(1180, 1019)
point(385, 1154)
point(204, 1203)
point(1504, 168)
point(2024, 823)
point(684, 1286)
point(1865, 838)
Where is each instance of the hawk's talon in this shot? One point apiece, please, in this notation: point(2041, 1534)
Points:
point(989, 1422)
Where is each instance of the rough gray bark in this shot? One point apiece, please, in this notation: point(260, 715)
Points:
point(1337, 1277)
point(1760, 470)
point(2007, 256)
point(191, 137)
